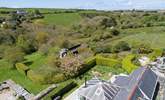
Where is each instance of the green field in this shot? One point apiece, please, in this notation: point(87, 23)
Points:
point(65, 19)
point(155, 36)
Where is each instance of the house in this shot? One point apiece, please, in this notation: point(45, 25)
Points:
point(142, 84)
point(74, 49)
point(63, 52)
point(21, 12)
point(158, 66)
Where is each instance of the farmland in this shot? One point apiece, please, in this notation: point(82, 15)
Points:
point(110, 42)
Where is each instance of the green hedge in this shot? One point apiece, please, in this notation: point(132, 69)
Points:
point(88, 64)
point(45, 79)
point(127, 63)
point(90, 61)
point(61, 89)
point(22, 68)
point(156, 53)
point(37, 78)
point(106, 61)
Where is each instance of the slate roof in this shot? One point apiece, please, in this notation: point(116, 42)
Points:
point(97, 89)
point(141, 83)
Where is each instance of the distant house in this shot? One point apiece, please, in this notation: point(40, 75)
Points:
point(74, 49)
point(142, 84)
point(21, 12)
point(63, 52)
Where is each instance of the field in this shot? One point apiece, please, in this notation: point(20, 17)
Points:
point(154, 36)
point(65, 19)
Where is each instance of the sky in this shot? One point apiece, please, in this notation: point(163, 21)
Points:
point(85, 4)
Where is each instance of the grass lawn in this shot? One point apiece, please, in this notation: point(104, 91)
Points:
point(37, 60)
point(65, 19)
point(155, 40)
point(7, 73)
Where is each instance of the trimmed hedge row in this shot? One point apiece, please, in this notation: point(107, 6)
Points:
point(22, 68)
point(106, 61)
point(88, 64)
point(42, 79)
point(156, 53)
point(127, 63)
point(63, 88)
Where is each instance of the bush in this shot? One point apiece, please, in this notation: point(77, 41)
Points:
point(101, 48)
point(156, 53)
point(144, 49)
point(108, 22)
point(127, 63)
point(106, 61)
point(115, 32)
point(90, 61)
point(121, 46)
point(14, 55)
point(37, 78)
point(88, 64)
point(46, 75)
point(63, 88)
point(22, 68)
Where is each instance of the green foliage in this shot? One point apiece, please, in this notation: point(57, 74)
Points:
point(101, 48)
point(14, 55)
point(115, 32)
point(7, 73)
point(127, 63)
point(90, 61)
point(61, 89)
point(46, 75)
point(106, 61)
point(121, 46)
point(156, 53)
point(22, 68)
point(144, 49)
point(108, 22)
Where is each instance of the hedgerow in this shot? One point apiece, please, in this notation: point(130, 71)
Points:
point(127, 63)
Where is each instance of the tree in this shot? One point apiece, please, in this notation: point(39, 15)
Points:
point(115, 32)
point(37, 12)
point(108, 22)
point(121, 46)
point(14, 55)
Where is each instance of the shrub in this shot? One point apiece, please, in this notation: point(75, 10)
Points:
point(156, 53)
point(144, 49)
point(101, 48)
point(115, 32)
point(121, 46)
point(22, 68)
point(63, 88)
point(58, 78)
point(41, 37)
point(35, 77)
point(108, 22)
point(88, 64)
point(14, 55)
point(90, 61)
point(46, 75)
point(127, 63)
point(106, 35)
